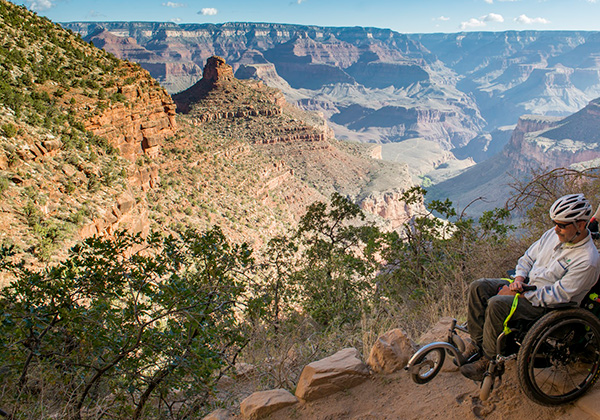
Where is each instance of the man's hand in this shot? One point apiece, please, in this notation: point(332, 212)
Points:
point(517, 285)
point(506, 291)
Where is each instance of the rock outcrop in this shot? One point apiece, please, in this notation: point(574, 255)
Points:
point(139, 124)
point(544, 142)
point(332, 374)
point(219, 414)
point(260, 404)
point(216, 72)
point(390, 207)
point(391, 352)
point(224, 97)
point(126, 213)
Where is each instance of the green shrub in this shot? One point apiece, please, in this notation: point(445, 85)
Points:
point(137, 334)
point(4, 184)
point(9, 130)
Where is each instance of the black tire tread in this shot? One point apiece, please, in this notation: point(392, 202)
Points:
point(423, 380)
point(529, 343)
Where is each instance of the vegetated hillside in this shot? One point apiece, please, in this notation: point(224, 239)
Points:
point(74, 120)
point(88, 146)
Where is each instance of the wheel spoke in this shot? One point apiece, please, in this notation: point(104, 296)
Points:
point(561, 357)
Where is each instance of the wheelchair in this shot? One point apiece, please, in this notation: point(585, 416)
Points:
point(558, 355)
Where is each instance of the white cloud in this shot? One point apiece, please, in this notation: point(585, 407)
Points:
point(300, 1)
point(38, 5)
point(208, 11)
point(443, 18)
point(526, 20)
point(493, 17)
point(93, 14)
point(489, 1)
point(478, 23)
point(472, 23)
point(173, 4)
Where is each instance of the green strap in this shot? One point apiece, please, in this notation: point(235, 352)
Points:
point(513, 308)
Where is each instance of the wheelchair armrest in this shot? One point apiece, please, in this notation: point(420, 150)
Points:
point(564, 305)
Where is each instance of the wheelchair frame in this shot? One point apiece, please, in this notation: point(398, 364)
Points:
point(558, 359)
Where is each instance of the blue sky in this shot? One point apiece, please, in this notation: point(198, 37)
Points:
point(407, 16)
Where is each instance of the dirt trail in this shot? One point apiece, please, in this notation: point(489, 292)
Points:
point(448, 396)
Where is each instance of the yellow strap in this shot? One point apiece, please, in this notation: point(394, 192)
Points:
point(513, 308)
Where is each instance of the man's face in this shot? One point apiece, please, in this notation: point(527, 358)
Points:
point(566, 231)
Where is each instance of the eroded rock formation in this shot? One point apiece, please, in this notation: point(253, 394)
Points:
point(545, 142)
point(139, 124)
point(390, 207)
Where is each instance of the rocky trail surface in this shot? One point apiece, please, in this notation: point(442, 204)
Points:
point(391, 394)
point(448, 396)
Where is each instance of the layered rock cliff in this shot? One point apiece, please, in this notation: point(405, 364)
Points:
point(537, 144)
point(223, 97)
point(315, 65)
point(542, 142)
point(138, 125)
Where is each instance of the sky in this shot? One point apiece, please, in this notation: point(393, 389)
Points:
point(405, 16)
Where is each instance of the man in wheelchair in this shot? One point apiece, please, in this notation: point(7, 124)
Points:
point(563, 264)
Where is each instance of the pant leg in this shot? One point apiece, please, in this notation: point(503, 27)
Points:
point(497, 310)
point(480, 291)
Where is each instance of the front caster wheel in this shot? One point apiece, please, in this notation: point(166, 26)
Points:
point(428, 365)
point(486, 387)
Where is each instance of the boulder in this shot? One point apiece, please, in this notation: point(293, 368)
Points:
point(391, 352)
point(260, 404)
point(244, 370)
point(332, 374)
point(220, 414)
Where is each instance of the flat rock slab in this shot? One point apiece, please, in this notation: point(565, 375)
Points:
point(332, 374)
point(261, 404)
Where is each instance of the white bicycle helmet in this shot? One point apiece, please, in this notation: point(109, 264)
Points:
point(571, 208)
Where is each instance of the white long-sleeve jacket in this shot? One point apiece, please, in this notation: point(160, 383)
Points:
point(562, 272)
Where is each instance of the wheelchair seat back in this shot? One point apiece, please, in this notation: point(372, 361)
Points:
point(592, 300)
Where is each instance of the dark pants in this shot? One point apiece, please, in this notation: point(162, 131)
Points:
point(487, 312)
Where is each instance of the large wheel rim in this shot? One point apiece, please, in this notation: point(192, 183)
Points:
point(565, 360)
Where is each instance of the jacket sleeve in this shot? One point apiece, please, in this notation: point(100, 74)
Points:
point(526, 262)
point(571, 288)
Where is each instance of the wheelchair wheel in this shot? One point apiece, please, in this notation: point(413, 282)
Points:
point(559, 358)
point(428, 365)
